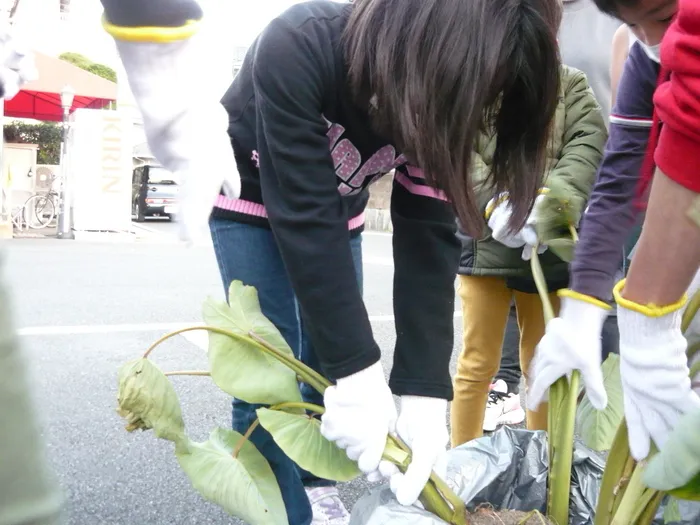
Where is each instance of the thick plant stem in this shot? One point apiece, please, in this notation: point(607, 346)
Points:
point(621, 487)
point(308, 375)
point(436, 501)
point(439, 501)
point(561, 416)
point(561, 463)
point(304, 406)
point(610, 486)
point(452, 498)
point(632, 499)
point(245, 438)
point(649, 510)
point(695, 369)
point(321, 381)
point(690, 311)
point(188, 373)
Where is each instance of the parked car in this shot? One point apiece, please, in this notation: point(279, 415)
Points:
point(154, 193)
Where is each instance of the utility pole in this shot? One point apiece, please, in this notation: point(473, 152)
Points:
point(65, 216)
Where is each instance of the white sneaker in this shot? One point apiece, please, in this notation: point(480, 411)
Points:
point(326, 506)
point(502, 408)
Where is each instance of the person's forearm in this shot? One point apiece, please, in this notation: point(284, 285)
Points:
point(668, 254)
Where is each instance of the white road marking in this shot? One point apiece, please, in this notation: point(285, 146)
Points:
point(145, 327)
point(102, 329)
point(378, 261)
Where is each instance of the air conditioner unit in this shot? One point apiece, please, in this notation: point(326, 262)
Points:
point(44, 177)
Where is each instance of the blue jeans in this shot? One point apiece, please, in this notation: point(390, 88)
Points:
point(249, 254)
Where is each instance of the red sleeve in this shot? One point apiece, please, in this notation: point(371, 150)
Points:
point(677, 101)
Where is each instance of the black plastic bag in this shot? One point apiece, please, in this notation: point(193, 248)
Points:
point(508, 470)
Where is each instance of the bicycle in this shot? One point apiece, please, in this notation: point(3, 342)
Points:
point(39, 210)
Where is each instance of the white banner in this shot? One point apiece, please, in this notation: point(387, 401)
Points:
point(100, 170)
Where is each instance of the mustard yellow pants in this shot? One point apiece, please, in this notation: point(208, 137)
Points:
point(485, 307)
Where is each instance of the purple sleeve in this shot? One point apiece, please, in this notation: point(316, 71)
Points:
point(611, 213)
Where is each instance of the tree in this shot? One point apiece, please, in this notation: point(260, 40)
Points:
point(85, 63)
point(103, 71)
point(47, 135)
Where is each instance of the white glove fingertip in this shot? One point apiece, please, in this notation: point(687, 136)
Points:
point(639, 443)
point(388, 469)
point(374, 477)
point(637, 433)
point(536, 392)
point(595, 388)
point(440, 467)
point(395, 482)
point(371, 457)
point(415, 479)
point(353, 453)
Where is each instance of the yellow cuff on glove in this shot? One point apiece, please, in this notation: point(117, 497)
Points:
point(584, 298)
point(503, 197)
point(649, 310)
point(160, 35)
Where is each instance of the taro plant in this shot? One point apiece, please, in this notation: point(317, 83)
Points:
point(628, 495)
point(250, 360)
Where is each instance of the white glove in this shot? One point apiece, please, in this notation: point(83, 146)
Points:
point(16, 64)
point(186, 125)
point(422, 426)
point(654, 372)
point(529, 233)
point(498, 222)
point(571, 342)
point(360, 413)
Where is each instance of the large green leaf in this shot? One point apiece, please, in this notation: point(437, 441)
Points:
point(676, 468)
point(299, 436)
point(240, 368)
point(562, 248)
point(147, 400)
point(244, 486)
point(597, 428)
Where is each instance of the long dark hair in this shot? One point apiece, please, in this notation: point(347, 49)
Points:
point(444, 70)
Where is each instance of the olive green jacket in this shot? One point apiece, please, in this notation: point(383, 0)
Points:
point(579, 135)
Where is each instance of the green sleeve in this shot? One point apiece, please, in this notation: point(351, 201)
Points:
point(29, 494)
point(584, 139)
point(482, 157)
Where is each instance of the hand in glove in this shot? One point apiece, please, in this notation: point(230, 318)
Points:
point(529, 232)
point(654, 371)
point(186, 125)
point(571, 342)
point(422, 426)
point(557, 214)
point(499, 212)
point(360, 413)
point(16, 65)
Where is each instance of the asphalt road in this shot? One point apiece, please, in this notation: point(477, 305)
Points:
point(85, 308)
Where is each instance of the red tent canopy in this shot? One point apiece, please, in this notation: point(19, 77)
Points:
point(41, 99)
